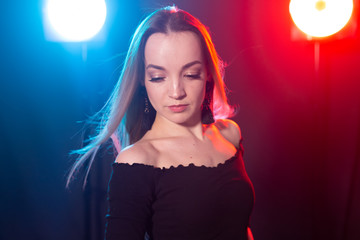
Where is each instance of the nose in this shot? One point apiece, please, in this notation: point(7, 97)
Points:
point(176, 89)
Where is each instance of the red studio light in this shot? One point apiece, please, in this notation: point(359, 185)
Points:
point(321, 18)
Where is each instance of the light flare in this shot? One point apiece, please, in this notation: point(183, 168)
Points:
point(76, 20)
point(321, 18)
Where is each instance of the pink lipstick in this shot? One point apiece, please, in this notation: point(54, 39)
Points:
point(178, 108)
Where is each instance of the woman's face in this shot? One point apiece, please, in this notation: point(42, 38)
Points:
point(175, 76)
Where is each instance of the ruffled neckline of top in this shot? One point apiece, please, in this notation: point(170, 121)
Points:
point(181, 166)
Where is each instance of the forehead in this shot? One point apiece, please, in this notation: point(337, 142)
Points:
point(173, 49)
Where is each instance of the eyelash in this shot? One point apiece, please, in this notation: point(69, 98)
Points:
point(191, 76)
point(156, 79)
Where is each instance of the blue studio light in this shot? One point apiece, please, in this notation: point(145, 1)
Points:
point(74, 20)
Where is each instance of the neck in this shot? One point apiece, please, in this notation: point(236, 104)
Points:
point(165, 128)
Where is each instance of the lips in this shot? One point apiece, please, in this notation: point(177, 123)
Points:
point(178, 108)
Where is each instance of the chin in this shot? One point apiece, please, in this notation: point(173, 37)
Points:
point(187, 118)
point(185, 121)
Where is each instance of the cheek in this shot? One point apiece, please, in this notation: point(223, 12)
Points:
point(197, 93)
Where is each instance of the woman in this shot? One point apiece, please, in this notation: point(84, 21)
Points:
point(180, 174)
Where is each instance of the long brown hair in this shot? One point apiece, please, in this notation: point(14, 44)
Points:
point(123, 118)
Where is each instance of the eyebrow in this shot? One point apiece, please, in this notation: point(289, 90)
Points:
point(190, 64)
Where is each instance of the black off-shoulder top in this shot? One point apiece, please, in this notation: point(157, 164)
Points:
point(178, 203)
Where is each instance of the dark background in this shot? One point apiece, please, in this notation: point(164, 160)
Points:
point(301, 129)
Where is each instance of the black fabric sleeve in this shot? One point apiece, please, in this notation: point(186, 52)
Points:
point(130, 196)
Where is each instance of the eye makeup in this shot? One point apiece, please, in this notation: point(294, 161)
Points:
point(156, 79)
point(193, 75)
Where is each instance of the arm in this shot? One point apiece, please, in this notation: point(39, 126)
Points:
point(250, 236)
point(129, 198)
point(231, 131)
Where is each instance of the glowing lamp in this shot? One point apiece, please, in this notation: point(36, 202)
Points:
point(76, 20)
point(320, 18)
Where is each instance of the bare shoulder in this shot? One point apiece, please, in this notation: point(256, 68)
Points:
point(229, 130)
point(140, 152)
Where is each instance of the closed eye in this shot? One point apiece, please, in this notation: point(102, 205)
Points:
point(193, 76)
point(156, 79)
